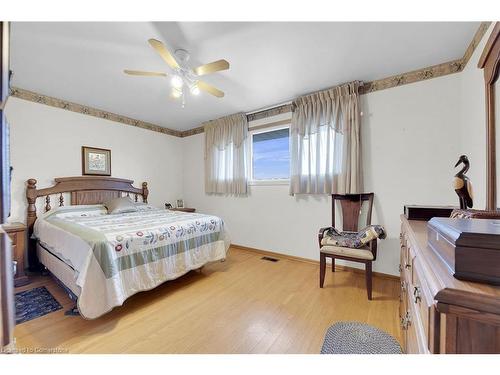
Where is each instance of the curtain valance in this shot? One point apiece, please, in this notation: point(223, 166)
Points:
point(325, 142)
point(225, 155)
point(332, 107)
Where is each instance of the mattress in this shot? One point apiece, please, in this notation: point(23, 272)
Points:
point(114, 256)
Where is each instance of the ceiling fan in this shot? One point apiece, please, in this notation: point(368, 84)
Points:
point(183, 77)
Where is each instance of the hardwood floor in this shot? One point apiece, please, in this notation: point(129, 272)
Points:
point(243, 305)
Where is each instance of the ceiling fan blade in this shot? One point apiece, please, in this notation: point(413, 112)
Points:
point(164, 53)
point(210, 89)
point(142, 73)
point(212, 67)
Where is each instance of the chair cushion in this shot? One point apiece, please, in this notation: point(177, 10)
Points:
point(343, 239)
point(355, 240)
point(362, 253)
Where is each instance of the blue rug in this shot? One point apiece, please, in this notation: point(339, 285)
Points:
point(34, 303)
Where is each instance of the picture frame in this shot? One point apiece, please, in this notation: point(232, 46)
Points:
point(96, 161)
point(180, 203)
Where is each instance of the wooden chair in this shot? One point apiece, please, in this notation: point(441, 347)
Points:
point(351, 205)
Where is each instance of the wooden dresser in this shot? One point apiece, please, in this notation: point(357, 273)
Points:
point(441, 314)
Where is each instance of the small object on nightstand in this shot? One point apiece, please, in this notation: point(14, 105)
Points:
point(180, 203)
point(183, 209)
point(17, 234)
point(168, 206)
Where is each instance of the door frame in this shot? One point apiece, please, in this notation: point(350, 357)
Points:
point(6, 271)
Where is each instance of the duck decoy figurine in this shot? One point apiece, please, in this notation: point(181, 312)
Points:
point(462, 184)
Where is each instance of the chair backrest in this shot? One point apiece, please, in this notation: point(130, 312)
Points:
point(351, 205)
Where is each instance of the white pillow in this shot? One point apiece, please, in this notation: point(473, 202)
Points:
point(120, 205)
point(141, 206)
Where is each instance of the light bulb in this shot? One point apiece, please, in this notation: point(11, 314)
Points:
point(176, 93)
point(176, 82)
point(195, 90)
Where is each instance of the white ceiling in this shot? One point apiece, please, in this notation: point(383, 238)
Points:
point(270, 62)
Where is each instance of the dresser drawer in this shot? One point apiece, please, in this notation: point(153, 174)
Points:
point(411, 344)
point(421, 299)
point(405, 259)
point(417, 337)
point(409, 263)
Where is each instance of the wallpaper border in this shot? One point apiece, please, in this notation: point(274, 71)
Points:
point(31, 96)
point(439, 70)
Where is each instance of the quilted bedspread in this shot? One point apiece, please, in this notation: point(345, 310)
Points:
point(130, 252)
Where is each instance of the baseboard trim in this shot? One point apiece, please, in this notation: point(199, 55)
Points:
point(311, 261)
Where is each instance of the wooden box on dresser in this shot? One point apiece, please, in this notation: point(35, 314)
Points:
point(441, 314)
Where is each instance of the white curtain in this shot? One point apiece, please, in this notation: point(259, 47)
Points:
point(225, 155)
point(325, 142)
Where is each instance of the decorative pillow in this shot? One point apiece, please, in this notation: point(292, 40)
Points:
point(474, 214)
point(141, 206)
point(371, 232)
point(343, 239)
point(120, 205)
point(352, 239)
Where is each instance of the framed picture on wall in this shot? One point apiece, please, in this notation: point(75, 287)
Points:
point(96, 161)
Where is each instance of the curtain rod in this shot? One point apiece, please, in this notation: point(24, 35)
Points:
point(263, 113)
point(272, 111)
point(283, 107)
point(269, 107)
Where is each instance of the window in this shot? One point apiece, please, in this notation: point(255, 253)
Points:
point(270, 155)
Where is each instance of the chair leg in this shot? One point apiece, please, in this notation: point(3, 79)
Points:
point(322, 269)
point(368, 274)
point(333, 264)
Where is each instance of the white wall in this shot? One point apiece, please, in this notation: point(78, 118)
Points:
point(46, 143)
point(410, 145)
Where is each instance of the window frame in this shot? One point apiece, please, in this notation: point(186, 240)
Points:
point(260, 130)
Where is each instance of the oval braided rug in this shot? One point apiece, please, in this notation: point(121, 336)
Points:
point(358, 338)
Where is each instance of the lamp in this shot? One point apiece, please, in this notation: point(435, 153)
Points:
point(195, 90)
point(176, 93)
point(176, 82)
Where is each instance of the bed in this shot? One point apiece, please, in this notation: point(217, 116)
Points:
point(102, 259)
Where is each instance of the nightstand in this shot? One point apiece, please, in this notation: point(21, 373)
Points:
point(183, 209)
point(18, 237)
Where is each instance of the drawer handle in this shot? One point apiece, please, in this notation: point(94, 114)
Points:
point(400, 268)
point(407, 266)
point(405, 321)
point(403, 286)
point(417, 294)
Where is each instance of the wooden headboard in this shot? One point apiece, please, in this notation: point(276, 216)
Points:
point(83, 190)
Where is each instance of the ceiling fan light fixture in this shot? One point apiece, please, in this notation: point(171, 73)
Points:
point(195, 90)
point(182, 77)
point(176, 82)
point(176, 93)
